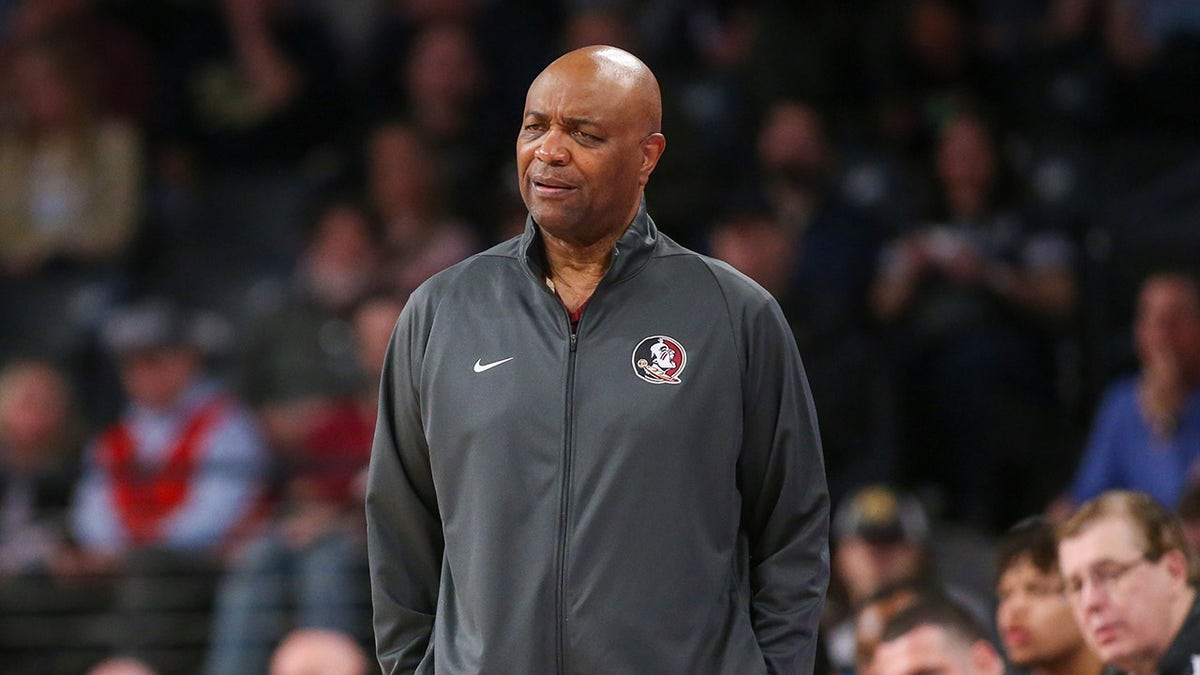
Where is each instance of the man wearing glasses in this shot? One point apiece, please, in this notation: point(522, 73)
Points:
point(1131, 580)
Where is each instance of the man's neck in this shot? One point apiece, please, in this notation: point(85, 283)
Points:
point(575, 269)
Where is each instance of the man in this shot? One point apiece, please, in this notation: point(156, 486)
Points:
point(537, 501)
point(1036, 626)
point(1131, 579)
point(169, 489)
point(935, 636)
point(1146, 436)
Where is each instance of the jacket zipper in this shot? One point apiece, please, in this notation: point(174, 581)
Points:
point(564, 505)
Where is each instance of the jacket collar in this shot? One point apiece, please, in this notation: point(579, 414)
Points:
point(631, 252)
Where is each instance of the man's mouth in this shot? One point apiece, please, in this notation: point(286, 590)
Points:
point(549, 185)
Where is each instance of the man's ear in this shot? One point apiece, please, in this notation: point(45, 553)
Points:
point(984, 659)
point(1177, 565)
point(652, 149)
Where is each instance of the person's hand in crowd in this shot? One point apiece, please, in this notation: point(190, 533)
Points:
point(1162, 390)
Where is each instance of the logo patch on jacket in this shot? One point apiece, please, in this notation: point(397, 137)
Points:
point(659, 359)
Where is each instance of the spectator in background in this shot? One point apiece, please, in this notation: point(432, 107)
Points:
point(169, 489)
point(935, 636)
point(298, 358)
point(70, 181)
point(70, 172)
point(421, 236)
point(821, 248)
point(309, 567)
point(974, 299)
point(1146, 433)
point(882, 537)
point(1036, 626)
point(1131, 580)
point(879, 539)
point(319, 652)
point(120, 62)
point(1154, 47)
point(38, 465)
point(41, 630)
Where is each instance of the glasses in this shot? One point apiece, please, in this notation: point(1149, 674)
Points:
point(1102, 576)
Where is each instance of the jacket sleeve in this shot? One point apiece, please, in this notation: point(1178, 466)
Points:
point(785, 501)
point(404, 534)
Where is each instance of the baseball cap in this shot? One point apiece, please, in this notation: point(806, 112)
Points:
point(879, 514)
point(155, 323)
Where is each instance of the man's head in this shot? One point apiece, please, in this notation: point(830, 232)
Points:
point(935, 636)
point(880, 538)
point(589, 140)
point(159, 348)
point(319, 652)
point(1033, 615)
point(35, 414)
point(1130, 576)
point(1167, 322)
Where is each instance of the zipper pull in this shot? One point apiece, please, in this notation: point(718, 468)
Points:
point(573, 340)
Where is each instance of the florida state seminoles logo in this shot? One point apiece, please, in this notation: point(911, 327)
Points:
point(659, 359)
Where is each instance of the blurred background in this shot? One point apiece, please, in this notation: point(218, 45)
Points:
point(211, 212)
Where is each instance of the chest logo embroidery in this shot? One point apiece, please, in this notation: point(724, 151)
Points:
point(659, 359)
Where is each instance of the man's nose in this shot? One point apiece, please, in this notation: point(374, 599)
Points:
point(552, 149)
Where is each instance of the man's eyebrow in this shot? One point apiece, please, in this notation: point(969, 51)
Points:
point(570, 121)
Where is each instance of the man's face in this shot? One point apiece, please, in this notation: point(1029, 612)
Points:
point(1168, 321)
point(584, 151)
point(156, 377)
point(1034, 617)
point(1120, 599)
point(928, 650)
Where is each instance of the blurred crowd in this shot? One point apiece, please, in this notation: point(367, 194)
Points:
point(982, 218)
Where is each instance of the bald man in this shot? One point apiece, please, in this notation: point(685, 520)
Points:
point(547, 493)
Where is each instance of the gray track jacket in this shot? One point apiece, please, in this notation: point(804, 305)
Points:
point(549, 501)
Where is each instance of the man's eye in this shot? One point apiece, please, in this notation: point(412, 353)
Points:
point(583, 135)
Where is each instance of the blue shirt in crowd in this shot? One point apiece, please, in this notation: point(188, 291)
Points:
point(1123, 452)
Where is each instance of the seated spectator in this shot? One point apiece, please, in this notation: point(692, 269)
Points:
point(421, 236)
point(298, 357)
point(319, 652)
point(117, 57)
point(1131, 579)
point(879, 538)
point(43, 618)
point(1036, 626)
point(70, 193)
point(309, 568)
point(1146, 433)
point(69, 174)
point(169, 489)
point(935, 636)
point(38, 455)
point(973, 297)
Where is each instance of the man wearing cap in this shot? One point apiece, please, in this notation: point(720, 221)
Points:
point(169, 485)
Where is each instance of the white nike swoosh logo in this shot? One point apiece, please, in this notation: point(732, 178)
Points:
point(480, 367)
